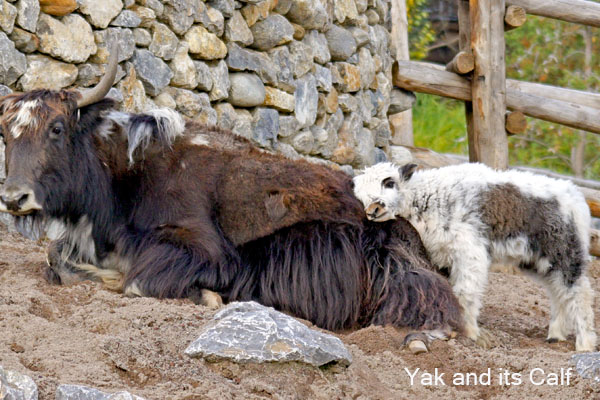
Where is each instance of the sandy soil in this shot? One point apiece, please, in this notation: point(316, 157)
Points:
point(87, 335)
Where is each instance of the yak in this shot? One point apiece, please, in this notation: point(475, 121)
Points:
point(154, 205)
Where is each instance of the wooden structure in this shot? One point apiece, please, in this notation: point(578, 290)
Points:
point(477, 76)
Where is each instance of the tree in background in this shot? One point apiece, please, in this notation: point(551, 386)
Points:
point(562, 54)
point(420, 33)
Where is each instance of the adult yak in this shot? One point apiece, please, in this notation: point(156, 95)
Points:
point(159, 206)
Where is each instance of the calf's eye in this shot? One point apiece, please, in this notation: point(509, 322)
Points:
point(389, 183)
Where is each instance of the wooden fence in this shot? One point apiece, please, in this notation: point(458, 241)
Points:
point(495, 106)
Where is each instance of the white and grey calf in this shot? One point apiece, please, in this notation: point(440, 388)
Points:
point(470, 216)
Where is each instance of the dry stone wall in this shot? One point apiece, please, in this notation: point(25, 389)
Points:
point(308, 78)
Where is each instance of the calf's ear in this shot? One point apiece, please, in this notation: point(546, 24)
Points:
point(407, 171)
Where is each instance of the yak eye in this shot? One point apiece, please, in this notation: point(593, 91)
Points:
point(57, 130)
point(389, 183)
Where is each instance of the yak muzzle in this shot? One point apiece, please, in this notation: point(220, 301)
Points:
point(18, 200)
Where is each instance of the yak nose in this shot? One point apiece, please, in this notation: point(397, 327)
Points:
point(17, 198)
point(374, 210)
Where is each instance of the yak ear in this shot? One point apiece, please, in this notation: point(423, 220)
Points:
point(407, 171)
point(89, 116)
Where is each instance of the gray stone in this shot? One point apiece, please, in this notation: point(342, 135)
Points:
point(379, 155)
point(333, 123)
point(184, 70)
point(180, 14)
point(284, 66)
point(400, 155)
point(365, 145)
point(46, 73)
point(347, 102)
point(164, 42)
point(204, 44)
point(372, 17)
point(243, 124)
point(4, 90)
point(320, 48)
point(379, 103)
point(134, 94)
point(587, 365)
point(341, 43)
point(115, 94)
point(401, 100)
point(24, 41)
point(127, 19)
point(122, 36)
point(344, 9)
point(382, 8)
point(287, 150)
point(203, 76)
point(323, 77)
point(226, 7)
point(70, 39)
point(288, 125)
point(365, 108)
point(361, 5)
point(90, 74)
point(212, 20)
point(301, 58)
point(165, 100)
point(367, 68)
point(220, 78)
point(360, 36)
point(307, 99)
point(237, 30)
point(14, 385)
point(382, 132)
point(12, 63)
point(152, 71)
point(147, 15)
point(8, 15)
point(142, 37)
point(246, 90)
point(77, 392)
point(193, 105)
point(325, 142)
point(303, 142)
point(155, 5)
point(273, 31)
point(283, 6)
point(250, 332)
point(378, 40)
point(100, 13)
point(310, 14)
point(240, 59)
point(265, 125)
point(28, 13)
point(226, 116)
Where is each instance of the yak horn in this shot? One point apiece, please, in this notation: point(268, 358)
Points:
point(97, 93)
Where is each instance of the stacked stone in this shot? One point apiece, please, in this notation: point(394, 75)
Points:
point(308, 78)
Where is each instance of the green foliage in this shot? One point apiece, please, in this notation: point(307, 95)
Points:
point(439, 124)
point(420, 33)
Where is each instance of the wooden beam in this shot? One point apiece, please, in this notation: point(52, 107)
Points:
point(401, 123)
point(514, 17)
point(488, 85)
point(557, 93)
point(577, 11)
point(462, 63)
point(433, 79)
point(515, 122)
point(464, 43)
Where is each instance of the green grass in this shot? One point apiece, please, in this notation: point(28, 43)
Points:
point(439, 124)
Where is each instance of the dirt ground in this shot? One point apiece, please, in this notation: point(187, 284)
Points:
point(87, 335)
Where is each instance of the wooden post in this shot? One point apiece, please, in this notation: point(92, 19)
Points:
point(488, 140)
point(401, 123)
point(462, 63)
point(464, 43)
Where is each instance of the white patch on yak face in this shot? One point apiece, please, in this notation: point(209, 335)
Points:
point(377, 188)
point(24, 117)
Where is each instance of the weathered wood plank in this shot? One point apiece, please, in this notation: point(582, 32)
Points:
point(515, 122)
point(557, 93)
point(514, 17)
point(577, 11)
point(433, 79)
point(464, 43)
point(488, 86)
point(401, 123)
point(462, 63)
